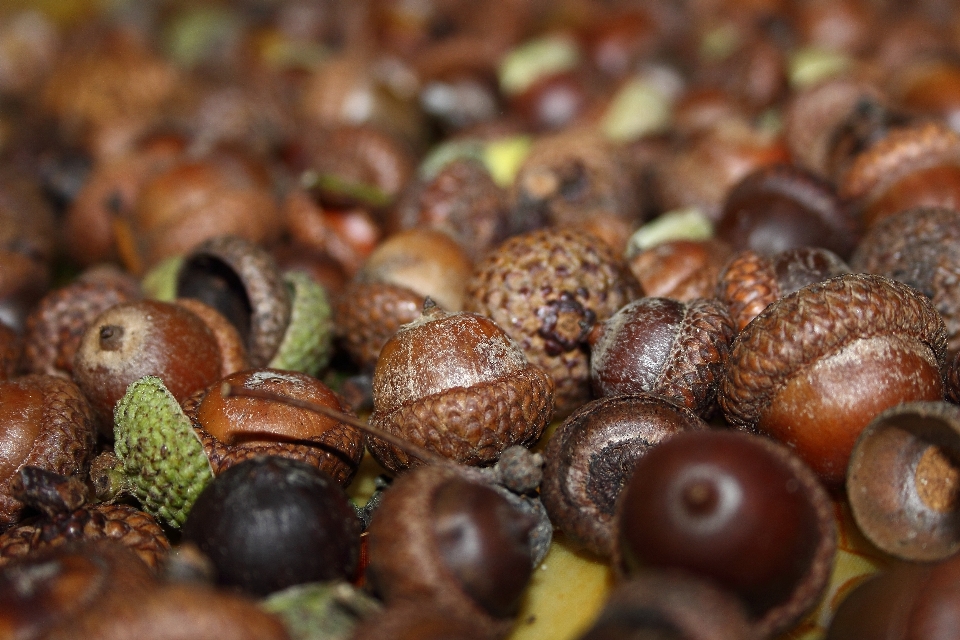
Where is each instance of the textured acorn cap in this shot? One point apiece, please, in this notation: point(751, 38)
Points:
point(919, 247)
point(539, 286)
point(244, 277)
point(751, 281)
point(306, 343)
point(903, 151)
point(367, 314)
point(817, 321)
point(161, 459)
point(457, 385)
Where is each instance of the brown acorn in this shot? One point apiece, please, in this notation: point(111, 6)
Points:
point(751, 281)
point(48, 423)
point(458, 385)
point(232, 429)
point(816, 366)
point(680, 269)
point(919, 247)
point(673, 349)
point(546, 288)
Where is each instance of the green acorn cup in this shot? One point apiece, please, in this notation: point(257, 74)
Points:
point(306, 343)
point(159, 458)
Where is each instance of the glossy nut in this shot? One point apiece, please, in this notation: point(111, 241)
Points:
point(662, 346)
point(592, 454)
point(48, 423)
point(903, 481)
point(681, 269)
point(818, 365)
point(737, 509)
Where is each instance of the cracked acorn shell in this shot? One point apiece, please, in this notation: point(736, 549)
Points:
point(236, 428)
point(47, 423)
point(816, 366)
point(919, 247)
point(541, 287)
point(458, 385)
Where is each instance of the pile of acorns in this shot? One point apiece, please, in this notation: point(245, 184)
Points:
point(333, 319)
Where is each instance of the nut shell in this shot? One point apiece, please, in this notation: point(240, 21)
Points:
point(592, 453)
point(242, 281)
point(539, 286)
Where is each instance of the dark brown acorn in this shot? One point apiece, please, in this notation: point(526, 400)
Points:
point(590, 457)
point(658, 345)
point(736, 509)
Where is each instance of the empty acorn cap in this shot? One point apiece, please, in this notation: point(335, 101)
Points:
point(305, 346)
point(242, 281)
point(903, 481)
point(160, 457)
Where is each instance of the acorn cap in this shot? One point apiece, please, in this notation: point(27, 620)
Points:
point(539, 287)
point(903, 151)
point(903, 480)
point(242, 281)
point(160, 457)
point(919, 247)
point(367, 314)
point(457, 385)
point(305, 346)
point(819, 320)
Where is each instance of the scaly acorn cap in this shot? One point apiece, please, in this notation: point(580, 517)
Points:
point(160, 457)
point(305, 346)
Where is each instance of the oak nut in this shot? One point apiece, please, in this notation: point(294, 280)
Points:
point(458, 385)
point(737, 509)
point(234, 428)
point(145, 337)
point(47, 423)
point(546, 289)
point(269, 523)
point(590, 457)
point(818, 365)
point(657, 345)
point(441, 537)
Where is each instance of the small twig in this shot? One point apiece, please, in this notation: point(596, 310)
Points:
point(418, 452)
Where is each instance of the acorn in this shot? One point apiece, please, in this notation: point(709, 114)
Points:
point(546, 289)
point(159, 458)
point(456, 384)
point(284, 319)
point(269, 523)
